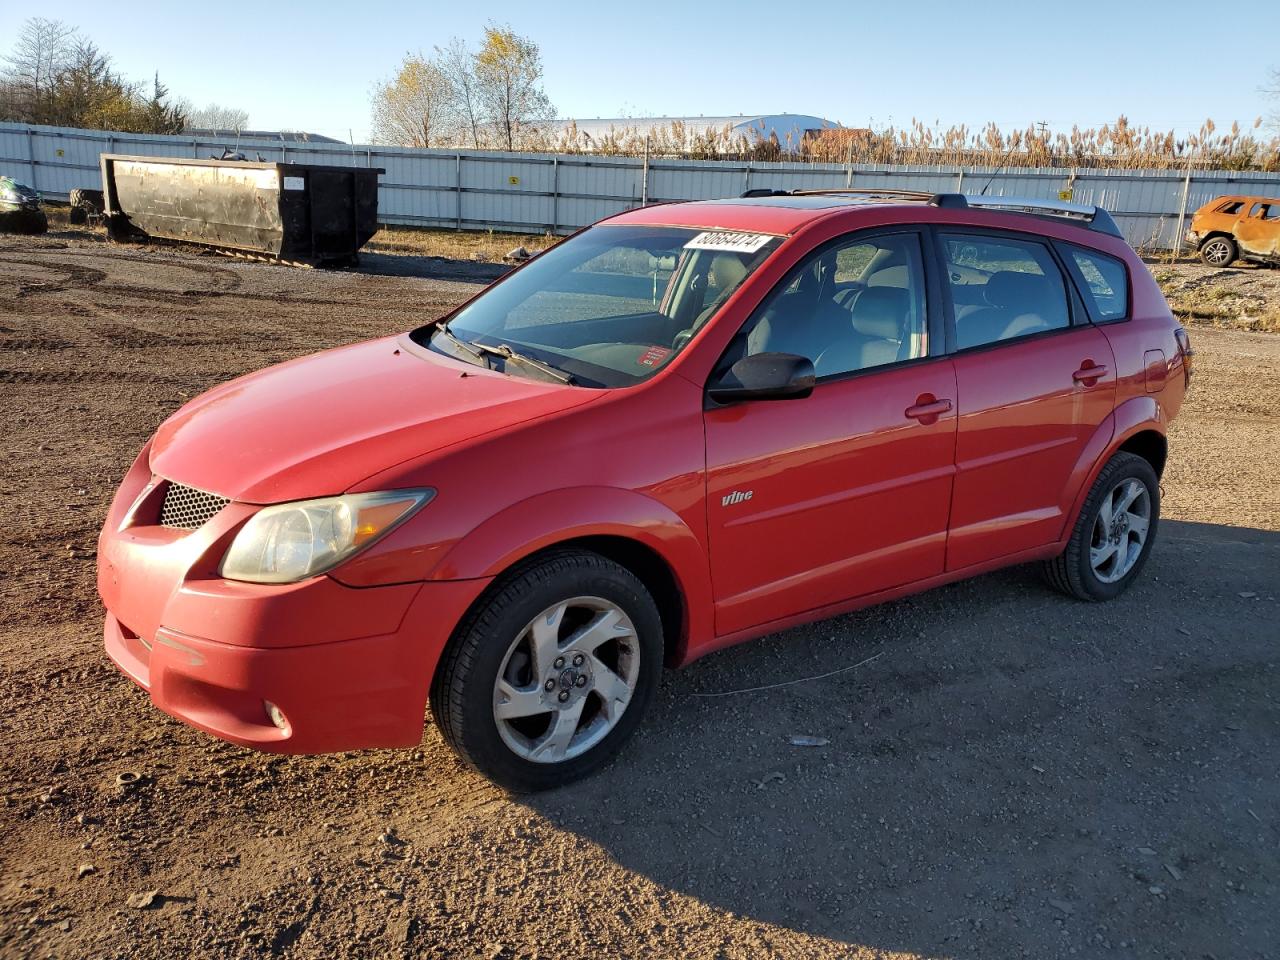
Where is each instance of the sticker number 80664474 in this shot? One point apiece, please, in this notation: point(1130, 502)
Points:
point(728, 241)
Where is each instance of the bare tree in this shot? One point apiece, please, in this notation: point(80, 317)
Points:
point(214, 116)
point(459, 66)
point(508, 71)
point(415, 107)
point(40, 55)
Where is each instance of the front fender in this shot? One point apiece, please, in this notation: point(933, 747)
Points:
point(558, 516)
point(1130, 418)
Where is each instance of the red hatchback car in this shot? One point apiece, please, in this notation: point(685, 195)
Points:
point(688, 425)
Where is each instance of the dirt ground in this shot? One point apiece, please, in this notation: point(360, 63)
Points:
point(1015, 775)
point(1244, 296)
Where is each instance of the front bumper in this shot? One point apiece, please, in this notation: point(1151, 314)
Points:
point(344, 695)
point(349, 667)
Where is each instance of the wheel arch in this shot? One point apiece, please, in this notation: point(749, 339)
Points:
point(629, 528)
point(1150, 444)
point(1137, 426)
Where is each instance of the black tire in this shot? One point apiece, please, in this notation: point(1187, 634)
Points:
point(77, 216)
point(1072, 572)
point(462, 692)
point(1219, 251)
point(91, 201)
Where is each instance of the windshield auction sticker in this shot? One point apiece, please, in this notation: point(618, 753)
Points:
point(728, 242)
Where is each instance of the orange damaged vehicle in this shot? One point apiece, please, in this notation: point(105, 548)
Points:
point(686, 426)
point(1236, 228)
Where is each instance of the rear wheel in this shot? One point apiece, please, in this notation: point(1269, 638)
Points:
point(1218, 252)
point(550, 674)
point(1113, 535)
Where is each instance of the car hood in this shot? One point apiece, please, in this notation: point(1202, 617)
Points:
point(319, 425)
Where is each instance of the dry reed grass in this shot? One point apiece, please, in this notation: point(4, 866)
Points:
point(1118, 145)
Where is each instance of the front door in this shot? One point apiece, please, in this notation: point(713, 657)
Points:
point(1258, 234)
point(846, 492)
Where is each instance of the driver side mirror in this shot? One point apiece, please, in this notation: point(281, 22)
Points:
point(765, 376)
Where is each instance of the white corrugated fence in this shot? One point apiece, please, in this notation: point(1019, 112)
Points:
point(536, 192)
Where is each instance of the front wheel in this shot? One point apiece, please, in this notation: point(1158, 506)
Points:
point(551, 672)
point(1218, 252)
point(1113, 535)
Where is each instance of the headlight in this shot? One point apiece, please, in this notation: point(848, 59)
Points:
point(293, 541)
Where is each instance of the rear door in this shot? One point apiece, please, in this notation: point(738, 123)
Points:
point(1034, 380)
point(845, 492)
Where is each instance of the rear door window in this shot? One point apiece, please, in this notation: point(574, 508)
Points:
point(1103, 281)
point(1002, 288)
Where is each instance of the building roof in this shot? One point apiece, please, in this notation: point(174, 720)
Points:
point(286, 136)
point(763, 124)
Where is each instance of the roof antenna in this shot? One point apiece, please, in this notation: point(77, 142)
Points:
point(1005, 159)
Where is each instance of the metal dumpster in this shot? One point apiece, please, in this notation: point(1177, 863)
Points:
point(294, 212)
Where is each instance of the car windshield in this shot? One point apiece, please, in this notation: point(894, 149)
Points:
point(610, 306)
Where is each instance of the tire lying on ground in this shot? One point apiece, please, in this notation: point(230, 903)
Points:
point(86, 205)
point(88, 200)
point(23, 221)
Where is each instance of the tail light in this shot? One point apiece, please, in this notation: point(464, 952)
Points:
point(1184, 348)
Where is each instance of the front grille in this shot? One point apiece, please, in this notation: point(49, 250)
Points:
point(187, 508)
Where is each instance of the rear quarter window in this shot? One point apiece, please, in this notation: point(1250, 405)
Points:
point(1103, 281)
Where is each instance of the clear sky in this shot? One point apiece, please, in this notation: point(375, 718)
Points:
point(312, 66)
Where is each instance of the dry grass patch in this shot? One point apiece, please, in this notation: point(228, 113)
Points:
point(1237, 298)
point(490, 246)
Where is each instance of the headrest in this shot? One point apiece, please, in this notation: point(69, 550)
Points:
point(880, 312)
point(1015, 290)
point(728, 270)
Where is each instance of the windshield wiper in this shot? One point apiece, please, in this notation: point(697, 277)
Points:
point(480, 351)
point(442, 326)
point(520, 359)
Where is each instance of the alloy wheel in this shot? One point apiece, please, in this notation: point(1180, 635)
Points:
point(1120, 530)
point(1217, 252)
point(566, 680)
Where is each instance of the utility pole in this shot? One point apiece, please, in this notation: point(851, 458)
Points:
point(1042, 132)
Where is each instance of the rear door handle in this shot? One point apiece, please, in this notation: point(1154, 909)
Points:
point(927, 410)
point(1089, 374)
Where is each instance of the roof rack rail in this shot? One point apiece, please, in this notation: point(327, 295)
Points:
point(1096, 218)
point(866, 192)
point(870, 192)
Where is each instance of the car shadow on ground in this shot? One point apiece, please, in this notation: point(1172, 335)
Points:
point(1015, 771)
